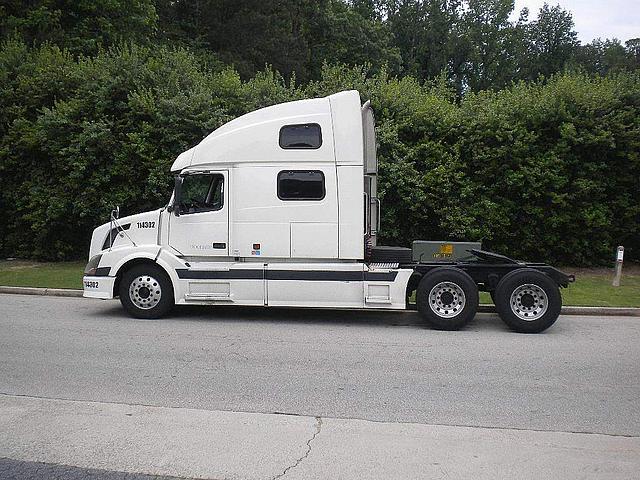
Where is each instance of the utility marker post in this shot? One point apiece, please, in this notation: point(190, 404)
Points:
point(618, 270)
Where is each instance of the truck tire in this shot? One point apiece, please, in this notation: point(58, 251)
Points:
point(146, 291)
point(391, 255)
point(527, 300)
point(447, 298)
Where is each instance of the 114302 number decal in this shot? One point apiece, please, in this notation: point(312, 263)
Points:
point(90, 284)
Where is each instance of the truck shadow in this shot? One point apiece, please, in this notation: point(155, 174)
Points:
point(297, 315)
point(483, 322)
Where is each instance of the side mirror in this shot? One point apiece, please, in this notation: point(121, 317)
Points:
point(177, 194)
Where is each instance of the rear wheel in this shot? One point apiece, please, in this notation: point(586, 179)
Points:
point(528, 301)
point(146, 291)
point(447, 298)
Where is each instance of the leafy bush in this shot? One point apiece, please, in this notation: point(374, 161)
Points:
point(545, 171)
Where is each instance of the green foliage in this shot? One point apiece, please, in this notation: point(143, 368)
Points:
point(474, 43)
point(548, 170)
point(97, 97)
point(81, 136)
point(602, 57)
point(538, 171)
point(559, 162)
point(291, 35)
point(551, 42)
point(81, 26)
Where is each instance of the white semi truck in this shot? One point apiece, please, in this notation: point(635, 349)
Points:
point(279, 207)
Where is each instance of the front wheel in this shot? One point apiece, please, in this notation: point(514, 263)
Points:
point(447, 298)
point(146, 291)
point(528, 301)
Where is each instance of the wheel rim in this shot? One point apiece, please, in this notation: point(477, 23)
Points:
point(447, 299)
point(145, 292)
point(529, 302)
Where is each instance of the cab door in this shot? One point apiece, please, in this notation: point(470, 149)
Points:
point(202, 226)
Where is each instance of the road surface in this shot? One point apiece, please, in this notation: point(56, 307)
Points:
point(252, 393)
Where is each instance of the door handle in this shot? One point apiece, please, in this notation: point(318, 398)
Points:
point(219, 245)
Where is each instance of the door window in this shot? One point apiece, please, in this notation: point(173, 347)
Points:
point(202, 193)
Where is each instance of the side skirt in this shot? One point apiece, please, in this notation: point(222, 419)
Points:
point(293, 285)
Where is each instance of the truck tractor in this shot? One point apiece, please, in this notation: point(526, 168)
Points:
point(280, 207)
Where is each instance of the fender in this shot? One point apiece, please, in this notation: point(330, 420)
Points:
point(119, 257)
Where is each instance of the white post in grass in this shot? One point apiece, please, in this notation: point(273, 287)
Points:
point(618, 271)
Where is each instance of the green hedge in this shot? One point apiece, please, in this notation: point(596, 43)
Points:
point(544, 171)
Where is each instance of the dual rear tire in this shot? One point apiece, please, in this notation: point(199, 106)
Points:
point(527, 300)
point(447, 298)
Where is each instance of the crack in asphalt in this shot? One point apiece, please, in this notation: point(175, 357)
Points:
point(306, 454)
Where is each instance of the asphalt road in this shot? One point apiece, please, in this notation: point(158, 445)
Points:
point(581, 375)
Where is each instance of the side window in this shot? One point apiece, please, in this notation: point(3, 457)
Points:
point(301, 185)
point(202, 193)
point(304, 136)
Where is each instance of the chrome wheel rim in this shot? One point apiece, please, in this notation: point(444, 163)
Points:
point(529, 302)
point(145, 292)
point(446, 299)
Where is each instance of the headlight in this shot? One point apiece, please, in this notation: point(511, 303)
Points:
point(91, 267)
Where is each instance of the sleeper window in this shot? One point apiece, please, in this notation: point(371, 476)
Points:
point(304, 136)
point(301, 185)
point(201, 193)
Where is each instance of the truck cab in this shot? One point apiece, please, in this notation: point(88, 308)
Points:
point(278, 207)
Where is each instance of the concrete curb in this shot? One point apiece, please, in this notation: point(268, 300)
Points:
point(568, 310)
point(54, 292)
point(621, 311)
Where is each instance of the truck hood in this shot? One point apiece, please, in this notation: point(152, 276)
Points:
point(138, 229)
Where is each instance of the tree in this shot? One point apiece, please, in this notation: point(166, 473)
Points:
point(423, 32)
point(81, 26)
point(369, 9)
point(351, 36)
point(291, 35)
point(487, 34)
point(633, 52)
point(633, 47)
point(601, 57)
point(551, 42)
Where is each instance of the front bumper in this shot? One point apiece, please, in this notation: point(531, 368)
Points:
point(98, 287)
